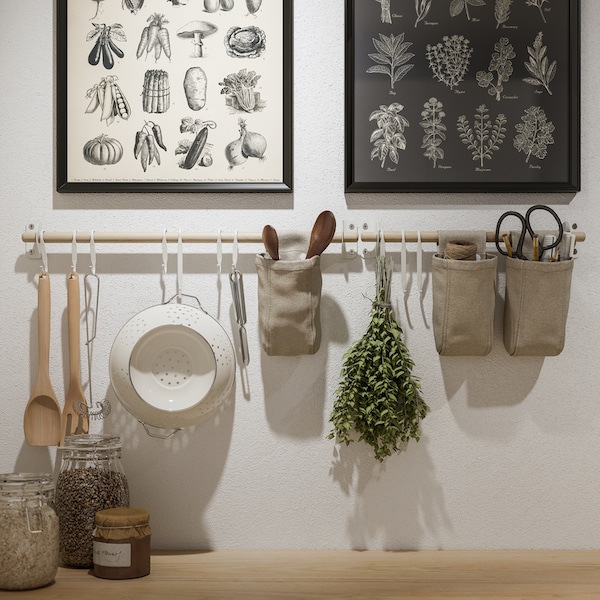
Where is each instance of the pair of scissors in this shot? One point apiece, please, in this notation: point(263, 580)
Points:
point(526, 228)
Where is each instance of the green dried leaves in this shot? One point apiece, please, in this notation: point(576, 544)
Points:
point(378, 398)
point(534, 133)
point(388, 138)
point(484, 138)
point(392, 57)
point(542, 71)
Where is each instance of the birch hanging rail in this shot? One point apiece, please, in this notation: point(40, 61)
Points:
point(194, 237)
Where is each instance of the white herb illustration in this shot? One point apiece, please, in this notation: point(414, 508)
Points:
point(484, 138)
point(449, 59)
point(534, 134)
point(392, 57)
point(386, 15)
point(435, 130)
point(388, 138)
point(502, 11)
point(539, 4)
point(422, 8)
point(457, 6)
point(501, 64)
point(542, 71)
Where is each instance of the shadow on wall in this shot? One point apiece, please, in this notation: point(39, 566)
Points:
point(295, 387)
point(396, 502)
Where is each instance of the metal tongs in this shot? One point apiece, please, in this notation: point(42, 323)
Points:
point(239, 304)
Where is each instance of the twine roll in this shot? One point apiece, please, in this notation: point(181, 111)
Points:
point(460, 250)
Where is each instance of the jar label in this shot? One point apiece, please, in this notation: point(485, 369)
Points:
point(112, 555)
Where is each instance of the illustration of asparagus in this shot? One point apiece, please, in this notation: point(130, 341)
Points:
point(501, 64)
point(386, 15)
point(539, 4)
point(449, 59)
point(502, 11)
point(484, 138)
point(534, 133)
point(542, 71)
point(457, 6)
point(435, 130)
point(392, 57)
point(388, 138)
point(422, 8)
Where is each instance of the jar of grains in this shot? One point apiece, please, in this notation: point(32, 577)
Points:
point(91, 478)
point(28, 531)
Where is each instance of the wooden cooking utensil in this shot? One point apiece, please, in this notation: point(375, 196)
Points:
point(72, 422)
point(41, 421)
point(322, 233)
point(271, 241)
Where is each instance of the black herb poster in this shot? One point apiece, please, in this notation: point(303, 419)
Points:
point(462, 95)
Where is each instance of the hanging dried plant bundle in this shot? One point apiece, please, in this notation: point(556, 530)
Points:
point(379, 399)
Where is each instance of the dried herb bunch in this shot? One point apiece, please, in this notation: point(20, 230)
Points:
point(542, 71)
point(449, 59)
point(378, 398)
point(484, 138)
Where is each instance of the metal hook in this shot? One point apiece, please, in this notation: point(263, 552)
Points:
point(165, 253)
point(234, 252)
point(43, 252)
point(219, 251)
point(74, 252)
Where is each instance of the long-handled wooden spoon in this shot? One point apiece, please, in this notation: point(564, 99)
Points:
point(72, 421)
point(271, 241)
point(322, 233)
point(41, 421)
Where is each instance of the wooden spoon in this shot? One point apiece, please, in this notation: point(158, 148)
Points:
point(271, 241)
point(73, 422)
point(41, 421)
point(322, 233)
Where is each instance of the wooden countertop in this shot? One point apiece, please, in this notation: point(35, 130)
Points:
point(347, 575)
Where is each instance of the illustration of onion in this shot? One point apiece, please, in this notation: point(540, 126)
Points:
point(248, 145)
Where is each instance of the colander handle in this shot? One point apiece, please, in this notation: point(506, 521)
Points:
point(155, 434)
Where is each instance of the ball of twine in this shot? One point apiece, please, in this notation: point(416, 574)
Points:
point(460, 250)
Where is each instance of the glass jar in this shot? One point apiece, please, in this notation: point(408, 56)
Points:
point(28, 531)
point(91, 478)
point(122, 543)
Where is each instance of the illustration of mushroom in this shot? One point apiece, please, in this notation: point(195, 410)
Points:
point(197, 30)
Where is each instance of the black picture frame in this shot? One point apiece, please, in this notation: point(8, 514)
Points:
point(256, 37)
point(452, 42)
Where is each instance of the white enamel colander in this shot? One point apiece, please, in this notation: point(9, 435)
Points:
point(172, 366)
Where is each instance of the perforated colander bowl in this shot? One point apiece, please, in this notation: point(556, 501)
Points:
point(172, 366)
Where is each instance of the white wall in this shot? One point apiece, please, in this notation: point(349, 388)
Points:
point(509, 455)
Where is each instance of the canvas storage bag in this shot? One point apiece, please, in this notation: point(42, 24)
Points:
point(289, 298)
point(536, 306)
point(464, 299)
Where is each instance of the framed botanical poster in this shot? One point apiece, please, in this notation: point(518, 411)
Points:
point(174, 95)
point(462, 96)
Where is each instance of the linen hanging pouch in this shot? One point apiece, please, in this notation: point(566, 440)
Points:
point(289, 299)
point(464, 299)
point(536, 306)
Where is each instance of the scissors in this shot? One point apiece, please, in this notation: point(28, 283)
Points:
point(527, 229)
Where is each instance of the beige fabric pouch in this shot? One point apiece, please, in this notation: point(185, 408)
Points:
point(289, 299)
point(464, 300)
point(536, 306)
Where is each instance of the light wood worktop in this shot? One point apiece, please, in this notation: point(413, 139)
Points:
point(347, 575)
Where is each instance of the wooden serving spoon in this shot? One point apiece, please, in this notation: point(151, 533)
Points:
point(271, 241)
point(322, 233)
point(71, 421)
point(41, 421)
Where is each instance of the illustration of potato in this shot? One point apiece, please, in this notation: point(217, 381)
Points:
point(194, 84)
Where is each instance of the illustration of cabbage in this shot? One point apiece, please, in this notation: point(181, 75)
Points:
point(534, 133)
point(245, 42)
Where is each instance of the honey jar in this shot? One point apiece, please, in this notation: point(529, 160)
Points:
point(122, 543)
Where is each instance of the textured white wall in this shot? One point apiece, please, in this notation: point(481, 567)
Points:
point(509, 455)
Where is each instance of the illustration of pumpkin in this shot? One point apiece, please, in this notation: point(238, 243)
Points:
point(103, 150)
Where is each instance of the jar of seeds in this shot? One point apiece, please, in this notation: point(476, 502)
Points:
point(28, 531)
point(91, 478)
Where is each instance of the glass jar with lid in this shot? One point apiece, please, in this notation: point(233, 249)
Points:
point(28, 530)
point(91, 478)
